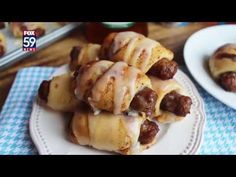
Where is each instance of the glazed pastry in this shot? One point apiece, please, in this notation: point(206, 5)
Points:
point(82, 55)
point(2, 45)
point(172, 104)
point(141, 52)
point(17, 28)
point(115, 87)
point(222, 65)
point(58, 93)
point(118, 133)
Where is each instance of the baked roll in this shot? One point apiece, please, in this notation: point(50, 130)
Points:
point(122, 134)
point(172, 104)
point(141, 52)
point(58, 93)
point(17, 28)
point(82, 55)
point(222, 66)
point(2, 45)
point(115, 87)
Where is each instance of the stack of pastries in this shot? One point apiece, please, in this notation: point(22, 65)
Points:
point(118, 93)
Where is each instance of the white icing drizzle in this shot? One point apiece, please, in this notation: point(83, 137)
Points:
point(96, 111)
point(133, 125)
point(131, 40)
point(118, 98)
point(133, 72)
point(129, 49)
point(145, 45)
point(133, 113)
point(121, 39)
point(81, 80)
point(123, 82)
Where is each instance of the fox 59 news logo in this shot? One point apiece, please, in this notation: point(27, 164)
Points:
point(29, 40)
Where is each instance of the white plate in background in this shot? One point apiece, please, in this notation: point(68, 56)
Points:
point(197, 51)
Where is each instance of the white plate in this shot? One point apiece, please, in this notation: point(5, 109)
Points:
point(198, 48)
point(48, 128)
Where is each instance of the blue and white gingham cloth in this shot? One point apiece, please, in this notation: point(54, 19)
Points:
point(14, 117)
point(219, 134)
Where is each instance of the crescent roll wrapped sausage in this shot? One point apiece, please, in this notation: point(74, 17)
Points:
point(58, 93)
point(115, 87)
point(118, 133)
point(172, 104)
point(17, 28)
point(82, 55)
point(141, 52)
point(223, 66)
point(2, 45)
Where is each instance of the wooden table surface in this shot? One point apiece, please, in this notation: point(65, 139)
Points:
point(58, 53)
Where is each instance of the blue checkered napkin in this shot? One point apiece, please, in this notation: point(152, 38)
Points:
point(219, 135)
point(220, 130)
point(14, 118)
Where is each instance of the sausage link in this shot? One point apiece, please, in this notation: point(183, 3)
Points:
point(228, 81)
point(164, 69)
point(74, 57)
point(144, 101)
point(148, 132)
point(44, 90)
point(176, 103)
